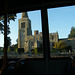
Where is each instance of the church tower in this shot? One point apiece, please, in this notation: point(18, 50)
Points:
point(24, 29)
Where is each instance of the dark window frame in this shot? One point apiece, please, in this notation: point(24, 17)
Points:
point(45, 31)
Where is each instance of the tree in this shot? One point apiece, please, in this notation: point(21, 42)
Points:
point(17, 40)
point(4, 28)
point(8, 41)
point(34, 51)
point(72, 33)
point(60, 45)
point(9, 18)
point(16, 48)
point(1, 27)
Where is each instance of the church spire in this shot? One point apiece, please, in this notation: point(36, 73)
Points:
point(24, 15)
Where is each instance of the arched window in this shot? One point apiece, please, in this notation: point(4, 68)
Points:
point(23, 25)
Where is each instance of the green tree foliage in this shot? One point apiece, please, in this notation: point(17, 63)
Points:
point(53, 51)
point(35, 51)
point(17, 40)
point(8, 50)
point(38, 50)
point(32, 51)
point(60, 45)
point(72, 33)
point(9, 18)
point(16, 48)
point(8, 41)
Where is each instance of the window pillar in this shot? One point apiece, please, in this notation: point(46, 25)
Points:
point(45, 30)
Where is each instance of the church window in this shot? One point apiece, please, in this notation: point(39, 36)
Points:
point(52, 37)
point(23, 25)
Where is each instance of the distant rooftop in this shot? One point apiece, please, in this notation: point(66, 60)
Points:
point(62, 39)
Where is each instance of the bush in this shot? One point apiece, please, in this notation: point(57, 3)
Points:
point(53, 51)
point(35, 51)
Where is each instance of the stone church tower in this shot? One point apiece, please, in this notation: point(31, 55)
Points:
point(28, 41)
point(24, 29)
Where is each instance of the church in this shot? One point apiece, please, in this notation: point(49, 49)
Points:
point(28, 41)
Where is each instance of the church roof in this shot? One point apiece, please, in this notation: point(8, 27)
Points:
point(24, 15)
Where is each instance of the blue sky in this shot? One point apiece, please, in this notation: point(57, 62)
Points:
point(59, 19)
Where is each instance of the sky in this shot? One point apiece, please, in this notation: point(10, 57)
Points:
point(59, 20)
